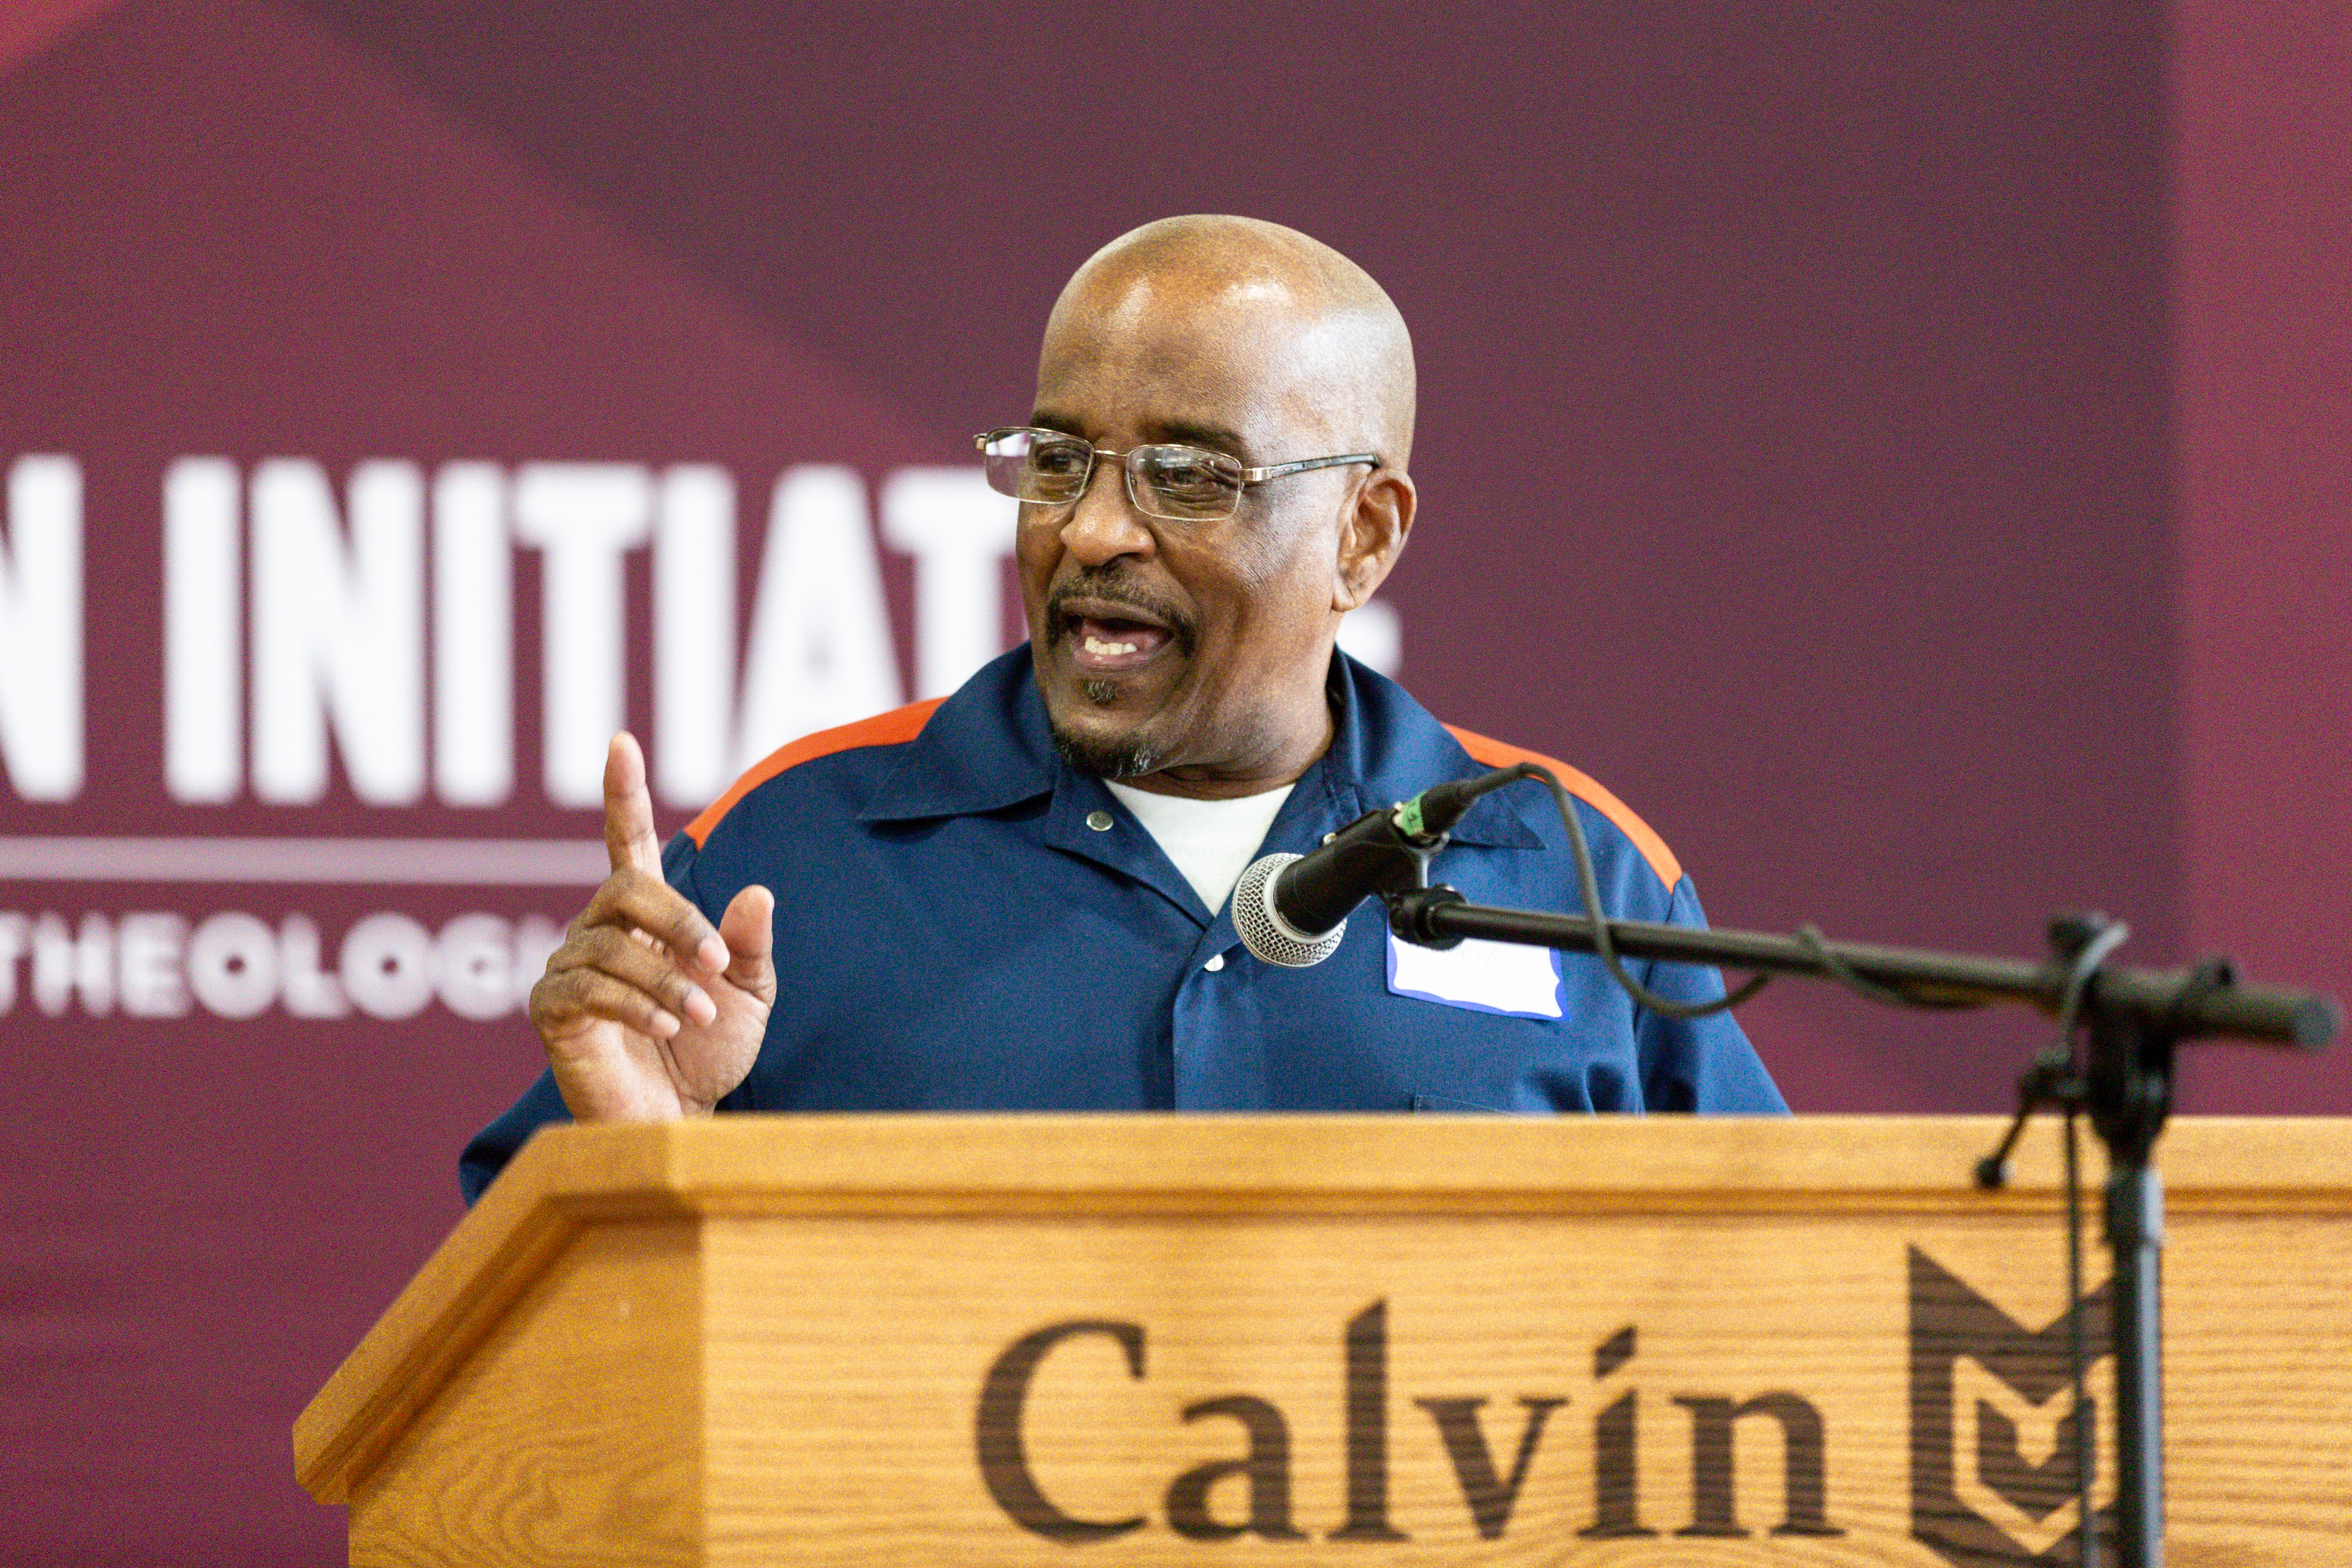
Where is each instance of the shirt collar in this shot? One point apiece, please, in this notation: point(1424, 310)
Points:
point(968, 758)
point(1388, 748)
point(988, 747)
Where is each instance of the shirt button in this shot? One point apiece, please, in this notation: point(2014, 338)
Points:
point(1216, 961)
point(1099, 821)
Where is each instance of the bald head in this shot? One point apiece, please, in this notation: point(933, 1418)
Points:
point(1281, 299)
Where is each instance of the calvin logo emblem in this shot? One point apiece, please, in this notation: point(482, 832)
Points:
point(1994, 1425)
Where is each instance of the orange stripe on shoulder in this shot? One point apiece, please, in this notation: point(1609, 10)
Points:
point(1495, 754)
point(898, 725)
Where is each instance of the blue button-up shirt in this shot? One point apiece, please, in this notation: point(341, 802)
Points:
point(957, 929)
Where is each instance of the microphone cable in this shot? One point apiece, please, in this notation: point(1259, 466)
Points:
point(1588, 882)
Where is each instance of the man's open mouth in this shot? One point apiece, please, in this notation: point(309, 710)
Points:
point(1107, 635)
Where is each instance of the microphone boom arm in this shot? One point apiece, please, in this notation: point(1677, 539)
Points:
point(1438, 916)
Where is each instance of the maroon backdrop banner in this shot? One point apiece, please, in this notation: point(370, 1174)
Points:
point(1901, 455)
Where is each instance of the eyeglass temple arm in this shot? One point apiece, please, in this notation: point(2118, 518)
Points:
point(1258, 475)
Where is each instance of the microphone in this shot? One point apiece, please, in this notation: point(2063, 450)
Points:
point(1292, 909)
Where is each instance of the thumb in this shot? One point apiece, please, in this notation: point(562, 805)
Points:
point(747, 929)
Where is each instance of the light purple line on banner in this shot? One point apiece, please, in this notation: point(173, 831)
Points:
point(415, 862)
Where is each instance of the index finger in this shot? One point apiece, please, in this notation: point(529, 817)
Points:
point(629, 840)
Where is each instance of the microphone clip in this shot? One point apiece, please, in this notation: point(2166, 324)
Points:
point(1384, 853)
point(1408, 914)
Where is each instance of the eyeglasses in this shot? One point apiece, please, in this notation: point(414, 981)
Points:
point(1181, 484)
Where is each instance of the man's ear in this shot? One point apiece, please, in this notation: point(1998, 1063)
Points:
point(1371, 537)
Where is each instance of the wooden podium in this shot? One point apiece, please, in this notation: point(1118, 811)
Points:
point(1331, 1340)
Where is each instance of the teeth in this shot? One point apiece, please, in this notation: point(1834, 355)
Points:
point(1095, 644)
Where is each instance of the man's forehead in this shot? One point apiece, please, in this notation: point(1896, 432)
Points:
point(1246, 409)
point(1208, 359)
point(1175, 422)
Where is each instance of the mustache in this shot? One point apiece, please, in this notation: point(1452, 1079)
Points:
point(1113, 585)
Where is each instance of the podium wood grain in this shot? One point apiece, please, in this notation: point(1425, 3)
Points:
point(765, 1341)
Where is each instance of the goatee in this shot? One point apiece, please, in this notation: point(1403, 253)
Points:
point(1106, 756)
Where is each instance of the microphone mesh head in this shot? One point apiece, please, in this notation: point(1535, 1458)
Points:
point(1267, 933)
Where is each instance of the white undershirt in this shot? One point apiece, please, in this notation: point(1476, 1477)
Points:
point(1212, 842)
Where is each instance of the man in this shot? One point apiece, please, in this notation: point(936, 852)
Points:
point(1014, 898)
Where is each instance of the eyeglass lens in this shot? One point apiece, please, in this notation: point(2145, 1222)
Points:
point(1181, 483)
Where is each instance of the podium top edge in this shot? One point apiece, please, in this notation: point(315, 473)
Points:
point(1318, 1162)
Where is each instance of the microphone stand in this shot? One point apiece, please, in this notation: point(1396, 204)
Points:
point(2134, 1018)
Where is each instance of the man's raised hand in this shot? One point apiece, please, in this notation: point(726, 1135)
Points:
point(647, 1011)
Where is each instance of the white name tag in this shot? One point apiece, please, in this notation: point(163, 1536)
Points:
point(1485, 976)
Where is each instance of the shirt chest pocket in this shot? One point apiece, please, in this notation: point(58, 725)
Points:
point(1482, 976)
